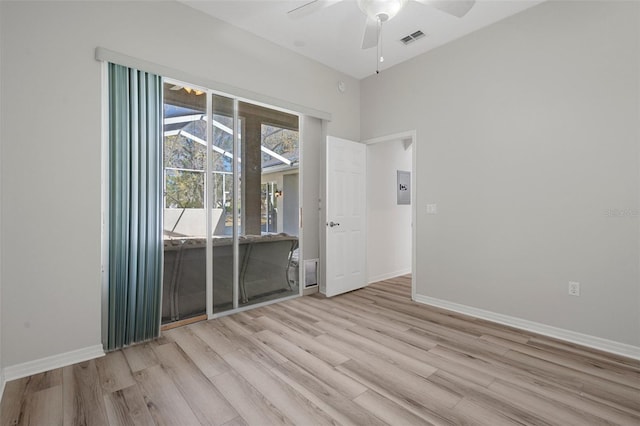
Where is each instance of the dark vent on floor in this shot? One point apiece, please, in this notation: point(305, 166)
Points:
point(412, 37)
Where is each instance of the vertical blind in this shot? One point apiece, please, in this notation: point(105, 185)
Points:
point(135, 206)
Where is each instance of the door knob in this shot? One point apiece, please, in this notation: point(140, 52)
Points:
point(332, 224)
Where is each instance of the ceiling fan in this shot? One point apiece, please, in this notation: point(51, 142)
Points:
point(381, 11)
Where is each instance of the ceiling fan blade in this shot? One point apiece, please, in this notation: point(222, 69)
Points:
point(309, 8)
point(457, 8)
point(370, 38)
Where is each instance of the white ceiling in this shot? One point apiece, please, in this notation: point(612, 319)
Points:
point(333, 35)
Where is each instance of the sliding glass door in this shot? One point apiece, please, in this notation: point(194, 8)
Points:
point(226, 164)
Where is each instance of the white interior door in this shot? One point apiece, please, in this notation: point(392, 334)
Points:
point(345, 216)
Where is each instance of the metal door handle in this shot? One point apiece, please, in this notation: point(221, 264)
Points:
point(332, 224)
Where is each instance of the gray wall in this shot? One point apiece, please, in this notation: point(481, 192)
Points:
point(51, 133)
point(528, 137)
point(313, 144)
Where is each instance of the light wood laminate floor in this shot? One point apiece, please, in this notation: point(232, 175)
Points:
point(370, 357)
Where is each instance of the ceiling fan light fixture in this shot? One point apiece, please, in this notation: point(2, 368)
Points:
point(383, 10)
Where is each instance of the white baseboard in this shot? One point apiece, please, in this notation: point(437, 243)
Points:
point(599, 343)
point(29, 368)
point(389, 275)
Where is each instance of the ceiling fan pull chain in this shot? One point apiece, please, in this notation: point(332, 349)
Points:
point(380, 43)
point(379, 57)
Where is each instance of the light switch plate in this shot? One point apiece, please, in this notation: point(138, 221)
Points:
point(432, 209)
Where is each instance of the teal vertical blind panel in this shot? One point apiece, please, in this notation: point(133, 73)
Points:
point(135, 206)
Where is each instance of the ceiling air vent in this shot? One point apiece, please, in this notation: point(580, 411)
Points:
point(412, 37)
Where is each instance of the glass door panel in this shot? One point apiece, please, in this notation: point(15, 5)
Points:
point(185, 162)
point(269, 150)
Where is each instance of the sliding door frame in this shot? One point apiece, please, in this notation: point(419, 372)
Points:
point(236, 196)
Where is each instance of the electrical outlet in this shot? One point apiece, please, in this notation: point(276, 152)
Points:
point(574, 288)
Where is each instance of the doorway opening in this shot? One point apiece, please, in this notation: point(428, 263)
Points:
point(391, 207)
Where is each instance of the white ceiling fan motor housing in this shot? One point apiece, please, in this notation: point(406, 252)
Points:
point(383, 10)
